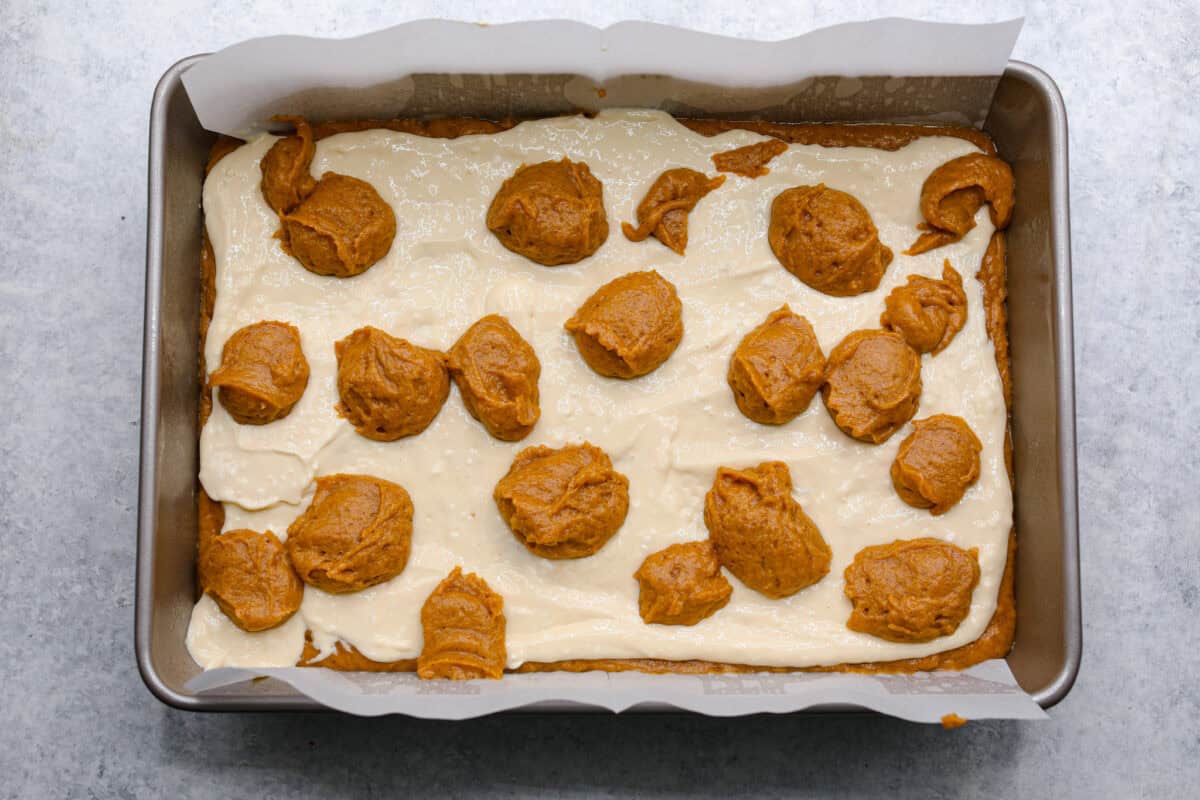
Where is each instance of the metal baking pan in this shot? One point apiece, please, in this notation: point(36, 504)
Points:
point(1028, 122)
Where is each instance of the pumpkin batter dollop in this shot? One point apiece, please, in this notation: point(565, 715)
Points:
point(551, 213)
point(341, 228)
point(497, 372)
point(827, 239)
point(927, 312)
point(936, 463)
point(389, 388)
point(749, 161)
point(911, 590)
point(250, 577)
point(681, 585)
point(663, 212)
point(263, 373)
point(956, 190)
point(286, 179)
point(563, 503)
point(872, 384)
point(630, 326)
point(761, 534)
point(463, 623)
point(356, 533)
point(777, 368)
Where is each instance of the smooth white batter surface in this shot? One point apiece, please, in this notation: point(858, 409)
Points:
point(668, 432)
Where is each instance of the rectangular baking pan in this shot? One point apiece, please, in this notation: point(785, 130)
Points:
point(1028, 122)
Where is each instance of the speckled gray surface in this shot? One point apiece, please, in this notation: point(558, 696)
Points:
point(74, 97)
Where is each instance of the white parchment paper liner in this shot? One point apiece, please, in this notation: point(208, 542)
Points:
point(236, 90)
point(378, 75)
point(985, 691)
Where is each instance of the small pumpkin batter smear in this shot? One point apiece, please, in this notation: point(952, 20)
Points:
point(286, 179)
point(497, 373)
point(956, 190)
point(927, 312)
point(389, 387)
point(911, 591)
point(749, 161)
point(463, 624)
point(761, 534)
point(551, 213)
point(777, 368)
point(250, 577)
point(356, 533)
point(936, 463)
point(681, 585)
point(827, 239)
point(872, 384)
point(630, 326)
point(663, 213)
point(564, 503)
point(263, 373)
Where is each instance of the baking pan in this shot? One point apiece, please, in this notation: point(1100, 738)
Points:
point(1027, 120)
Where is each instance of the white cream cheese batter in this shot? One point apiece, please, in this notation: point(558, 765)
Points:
point(668, 432)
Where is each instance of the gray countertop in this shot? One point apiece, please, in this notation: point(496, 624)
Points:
point(75, 720)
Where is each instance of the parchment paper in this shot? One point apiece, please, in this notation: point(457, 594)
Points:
point(885, 70)
point(537, 68)
point(985, 691)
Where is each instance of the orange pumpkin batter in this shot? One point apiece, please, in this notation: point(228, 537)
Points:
point(630, 326)
point(761, 534)
point(663, 213)
point(497, 373)
point(564, 503)
point(551, 213)
point(263, 373)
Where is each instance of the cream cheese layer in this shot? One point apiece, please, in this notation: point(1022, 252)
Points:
point(668, 431)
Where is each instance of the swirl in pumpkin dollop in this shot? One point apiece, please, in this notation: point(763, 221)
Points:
point(911, 591)
point(777, 368)
point(681, 585)
point(936, 463)
point(827, 239)
point(630, 326)
point(356, 533)
point(872, 384)
point(956, 190)
point(761, 534)
point(927, 312)
point(564, 503)
point(551, 213)
point(663, 212)
point(263, 373)
point(497, 372)
point(463, 625)
point(389, 388)
point(250, 577)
